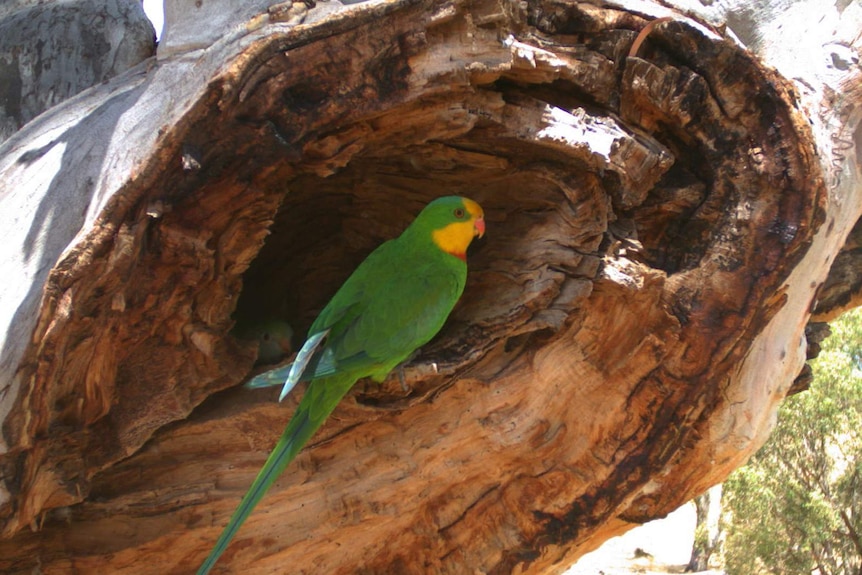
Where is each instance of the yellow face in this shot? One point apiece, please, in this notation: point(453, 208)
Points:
point(455, 238)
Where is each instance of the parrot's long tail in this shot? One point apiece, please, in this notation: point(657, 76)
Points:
point(318, 402)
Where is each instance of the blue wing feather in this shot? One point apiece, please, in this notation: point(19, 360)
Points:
point(301, 362)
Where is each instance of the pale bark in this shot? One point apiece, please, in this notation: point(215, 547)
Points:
point(707, 531)
point(50, 51)
point(658, 228)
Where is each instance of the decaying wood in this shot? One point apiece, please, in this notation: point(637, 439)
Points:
point(842, 290)
point(658, 227)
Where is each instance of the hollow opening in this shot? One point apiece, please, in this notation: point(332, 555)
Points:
point(327, 224)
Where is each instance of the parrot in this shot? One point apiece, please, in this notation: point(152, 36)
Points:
point(394, 302)
point(273, 338)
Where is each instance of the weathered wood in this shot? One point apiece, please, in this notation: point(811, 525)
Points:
point(658, 226)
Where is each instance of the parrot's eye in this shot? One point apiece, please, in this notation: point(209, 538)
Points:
point(266, 337)
point(459, 213)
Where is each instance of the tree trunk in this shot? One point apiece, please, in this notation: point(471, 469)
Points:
point(707, 529)
point(700, 549)
point(659, 225)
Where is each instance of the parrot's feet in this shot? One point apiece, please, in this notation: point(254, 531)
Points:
point(402, 374)
point(402, 380)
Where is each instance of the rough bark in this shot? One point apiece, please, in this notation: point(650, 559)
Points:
point(658, 227)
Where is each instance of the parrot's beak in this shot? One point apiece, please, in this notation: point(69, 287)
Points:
point(479, 226)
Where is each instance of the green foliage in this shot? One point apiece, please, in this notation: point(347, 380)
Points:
point(797, 505)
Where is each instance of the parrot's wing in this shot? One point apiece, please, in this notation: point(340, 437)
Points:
point(368, 331)
point(291, 374)
point(299, 365)
point(269, 378)
point(404, 313)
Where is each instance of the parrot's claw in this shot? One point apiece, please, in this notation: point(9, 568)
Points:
point(402, 380)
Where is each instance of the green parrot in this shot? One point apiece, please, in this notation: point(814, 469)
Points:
point(273, 337)
point(393, 303)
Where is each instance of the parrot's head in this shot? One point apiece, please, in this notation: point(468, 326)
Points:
point(273, 337)
point(454, 222)
point(274, 341)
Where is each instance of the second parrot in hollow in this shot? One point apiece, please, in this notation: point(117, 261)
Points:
point(273, 337)
point(393, 303)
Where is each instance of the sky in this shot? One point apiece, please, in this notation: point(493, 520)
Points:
point(155, 12)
